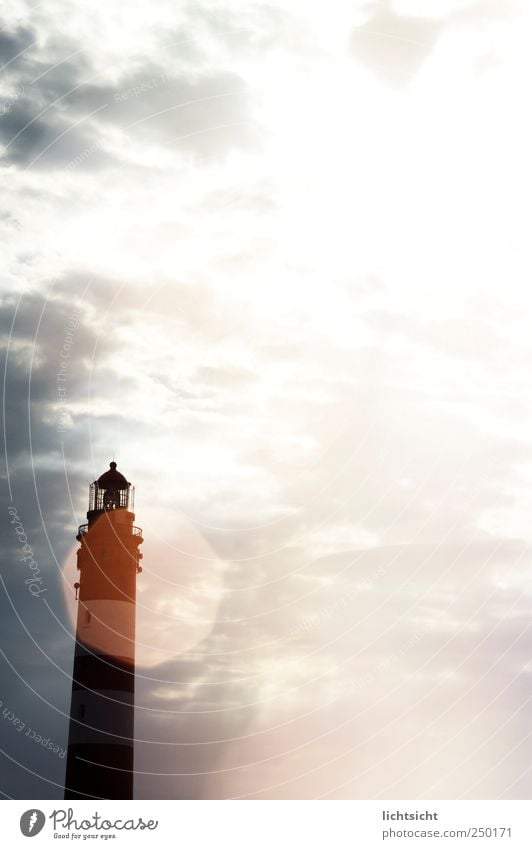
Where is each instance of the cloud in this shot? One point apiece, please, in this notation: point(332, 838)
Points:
point(206, 116)
point(15, 43)
point(389, 652)
point(66, 100)
point(394, 46)
point(398, 38)
point(32, 140)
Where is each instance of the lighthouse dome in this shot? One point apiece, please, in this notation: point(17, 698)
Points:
point(112, 479)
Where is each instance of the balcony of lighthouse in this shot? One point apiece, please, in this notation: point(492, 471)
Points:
point(132, 530)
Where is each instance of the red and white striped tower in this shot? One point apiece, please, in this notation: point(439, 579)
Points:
point(101, 733)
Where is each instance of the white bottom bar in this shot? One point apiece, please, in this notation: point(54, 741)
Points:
point(282, 824)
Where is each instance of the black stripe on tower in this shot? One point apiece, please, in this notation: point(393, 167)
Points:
point(107, 767)
point(103, 672)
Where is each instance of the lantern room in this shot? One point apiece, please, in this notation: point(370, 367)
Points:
point(111, 492)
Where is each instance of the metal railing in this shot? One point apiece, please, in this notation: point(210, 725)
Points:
point(136, 532)
point(100, 498)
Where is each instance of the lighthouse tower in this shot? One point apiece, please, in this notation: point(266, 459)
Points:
point(101, 733)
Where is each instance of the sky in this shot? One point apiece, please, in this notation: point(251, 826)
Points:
point(274, 258)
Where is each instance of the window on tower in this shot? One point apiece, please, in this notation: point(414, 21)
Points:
point(111, 499)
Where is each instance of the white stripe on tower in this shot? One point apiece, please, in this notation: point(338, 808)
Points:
point(107, 626)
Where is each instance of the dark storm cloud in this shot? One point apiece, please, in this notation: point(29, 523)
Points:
point(38, 121)
point(14, 44)
point(38, 447)
point(43, 141)
point(19, 418)
point(36, 661)
point(41, 485)
point(206, 117)
point(51, 82)
point(42, 318)
point(35, 771)
point(205, 113)
point(52, 348)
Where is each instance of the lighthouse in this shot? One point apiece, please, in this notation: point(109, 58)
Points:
point(101, 731)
